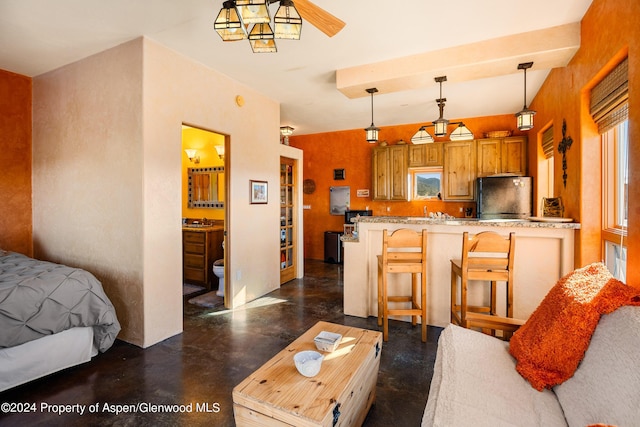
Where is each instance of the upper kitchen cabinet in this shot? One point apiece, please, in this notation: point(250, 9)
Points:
point(425, 155)
point(502, 155)
point(459, 170)
point(390, 171)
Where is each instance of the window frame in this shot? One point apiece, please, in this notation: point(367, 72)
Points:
point(615, 174)
point(415, 172)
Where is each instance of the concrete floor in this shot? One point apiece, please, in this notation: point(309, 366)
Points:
point(216, 351)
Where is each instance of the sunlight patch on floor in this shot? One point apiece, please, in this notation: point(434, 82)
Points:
point(260, 302)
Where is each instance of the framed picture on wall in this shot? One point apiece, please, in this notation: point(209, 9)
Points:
point(258, 192)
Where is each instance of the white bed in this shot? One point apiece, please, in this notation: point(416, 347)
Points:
point(44, 356)
point(52, 317)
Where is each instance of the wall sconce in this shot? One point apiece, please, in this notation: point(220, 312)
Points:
point(220, 151)
point(286, 132)
point(192, 155)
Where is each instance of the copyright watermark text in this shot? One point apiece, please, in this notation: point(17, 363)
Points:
point(109, 408)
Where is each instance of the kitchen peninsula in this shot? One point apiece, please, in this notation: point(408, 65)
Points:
point(544, 253)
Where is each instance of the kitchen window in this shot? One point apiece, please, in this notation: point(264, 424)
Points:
point(426, 183)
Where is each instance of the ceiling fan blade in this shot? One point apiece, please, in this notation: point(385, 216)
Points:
point(319, 18)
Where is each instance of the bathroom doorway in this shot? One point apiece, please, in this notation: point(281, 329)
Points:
point(205, 207)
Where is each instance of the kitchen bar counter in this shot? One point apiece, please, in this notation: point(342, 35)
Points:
point(544, 253)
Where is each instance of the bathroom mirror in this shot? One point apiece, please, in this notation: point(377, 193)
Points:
point(206, 187)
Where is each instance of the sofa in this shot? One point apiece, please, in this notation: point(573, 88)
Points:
point(477, 381)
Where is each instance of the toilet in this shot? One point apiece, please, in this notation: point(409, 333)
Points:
point(218, 270)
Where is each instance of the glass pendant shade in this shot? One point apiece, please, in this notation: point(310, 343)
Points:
point(440, 127)
point(286, 130)
point(372, 134)
point(422, 137)
point(228, 24)
point(525, 119)
point(261, 39)
point(253, 11)
point(461, 133)
point(287, 21)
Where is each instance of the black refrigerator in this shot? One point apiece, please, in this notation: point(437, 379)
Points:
point(504, 197)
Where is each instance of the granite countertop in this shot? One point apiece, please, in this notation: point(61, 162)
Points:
point(459, 222)
point(546, 223)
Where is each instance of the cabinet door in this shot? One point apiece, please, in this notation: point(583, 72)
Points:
point(433, 154)
point(459, 170)
point(398, 161)
point(380, 173)
point(417, 155)
point(514, 155)
point(489, 162)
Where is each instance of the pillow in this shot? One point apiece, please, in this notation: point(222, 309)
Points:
point(550, 345)
point(604, 389)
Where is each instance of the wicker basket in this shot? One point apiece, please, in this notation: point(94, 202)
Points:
point(498, 134)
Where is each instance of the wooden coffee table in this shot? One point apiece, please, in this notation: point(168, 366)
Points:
point(340, 395)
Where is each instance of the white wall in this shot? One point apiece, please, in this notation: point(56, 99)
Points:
point(107, 182)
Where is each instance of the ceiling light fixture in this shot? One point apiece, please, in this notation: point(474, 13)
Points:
point(525, 117)
point(286, 132)
point(236, 16)
point(372, 131)
point(461, 133)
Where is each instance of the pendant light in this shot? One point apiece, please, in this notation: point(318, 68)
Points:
point(441, 123)
point(461, 133)
point(372, 131)
point(287, 21)
point(228, 24)
point(525, 117)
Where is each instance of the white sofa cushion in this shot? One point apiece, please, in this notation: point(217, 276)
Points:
point(606, 386)
point(475, 383)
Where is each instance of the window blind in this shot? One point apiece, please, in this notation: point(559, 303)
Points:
point(609, 98)
point(547, 143)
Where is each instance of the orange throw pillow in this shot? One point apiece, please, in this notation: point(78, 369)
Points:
point(551, 344)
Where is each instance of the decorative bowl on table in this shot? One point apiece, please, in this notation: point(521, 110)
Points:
point(327, 341)
point(308, 362)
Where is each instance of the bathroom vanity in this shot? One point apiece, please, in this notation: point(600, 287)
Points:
point(201, 246)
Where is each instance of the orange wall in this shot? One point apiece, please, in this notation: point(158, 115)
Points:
point(349, 150)
point(15, 163)
point(610, 31)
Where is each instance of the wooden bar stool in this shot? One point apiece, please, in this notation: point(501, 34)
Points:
point(488, 257)
point(403, 251)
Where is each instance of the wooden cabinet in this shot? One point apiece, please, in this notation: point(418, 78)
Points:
point(200, 248)
point(287, 220)
point(390, 172)
point(502, 155)
point(459, 170)
point(425, 155)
